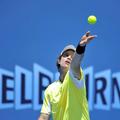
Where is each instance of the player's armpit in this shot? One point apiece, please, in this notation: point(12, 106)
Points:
point(44, 116)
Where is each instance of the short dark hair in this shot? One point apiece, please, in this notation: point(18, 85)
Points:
point(57, 64)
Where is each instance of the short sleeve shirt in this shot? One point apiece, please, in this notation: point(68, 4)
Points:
point(67, 100)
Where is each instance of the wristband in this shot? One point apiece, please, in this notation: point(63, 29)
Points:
point(80, 49)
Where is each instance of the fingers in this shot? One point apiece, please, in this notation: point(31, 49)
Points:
point(91, 37)
point(88, 34)
point(87, 38)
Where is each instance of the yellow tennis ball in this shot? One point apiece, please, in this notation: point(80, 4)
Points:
point(92, 19)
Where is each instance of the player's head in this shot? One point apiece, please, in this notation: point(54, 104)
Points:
point(65, 57)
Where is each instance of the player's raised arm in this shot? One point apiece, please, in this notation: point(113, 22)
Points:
point(77, 58)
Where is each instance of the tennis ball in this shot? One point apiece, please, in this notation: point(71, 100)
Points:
point(92, 19)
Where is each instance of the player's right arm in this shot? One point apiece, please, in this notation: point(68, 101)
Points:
point(46, 107)
point(44, 116)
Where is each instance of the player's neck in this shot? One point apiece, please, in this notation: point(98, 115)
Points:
point(62, 76)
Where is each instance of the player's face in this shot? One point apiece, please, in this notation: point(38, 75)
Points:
point(66, 59)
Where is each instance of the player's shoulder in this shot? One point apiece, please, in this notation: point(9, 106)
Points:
point(53, 86)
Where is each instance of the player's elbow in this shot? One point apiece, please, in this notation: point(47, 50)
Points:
point(44, 117)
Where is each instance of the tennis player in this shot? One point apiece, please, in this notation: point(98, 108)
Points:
point(65, 99)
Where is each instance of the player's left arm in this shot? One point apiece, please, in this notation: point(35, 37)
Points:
point(77, 58)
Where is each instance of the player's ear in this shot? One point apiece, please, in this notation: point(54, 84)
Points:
point(58, 61)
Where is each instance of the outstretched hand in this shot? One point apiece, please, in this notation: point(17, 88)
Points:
point(86, 38)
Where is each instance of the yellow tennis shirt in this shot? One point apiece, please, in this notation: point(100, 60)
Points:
point(67, 100)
